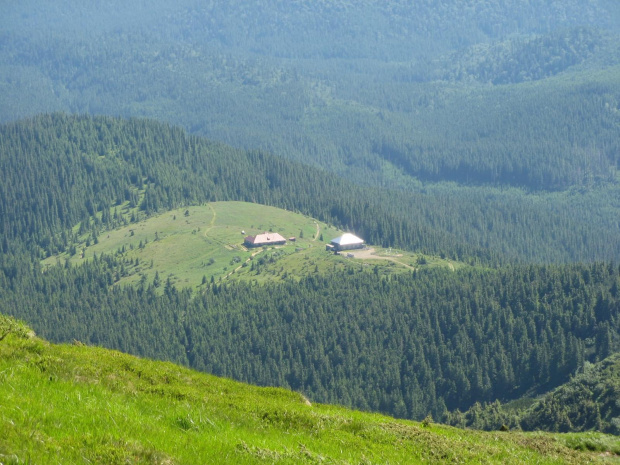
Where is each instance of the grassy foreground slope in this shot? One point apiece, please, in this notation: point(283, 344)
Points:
point(78, 404)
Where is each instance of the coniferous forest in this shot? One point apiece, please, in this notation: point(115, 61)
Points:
point(426, 342)
point(485, 132)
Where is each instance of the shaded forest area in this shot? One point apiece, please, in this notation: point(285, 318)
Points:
point(407, 345)
point(588, 401)
point(65, 171)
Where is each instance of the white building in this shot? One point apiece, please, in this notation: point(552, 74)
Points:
point(347, 241)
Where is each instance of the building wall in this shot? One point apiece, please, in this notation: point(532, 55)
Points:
point(260, 244)
point(348, 246)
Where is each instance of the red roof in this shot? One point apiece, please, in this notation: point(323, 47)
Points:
point(266, 238)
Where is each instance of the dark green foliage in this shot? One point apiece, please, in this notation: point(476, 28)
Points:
point(425, 342)
point(444, 103)
point(66, 170)
point(588, 402)
point(408, 345)
point(380, 92)
point(488, 416)
point(505, 136)
point(386, 94)
point(63, 170)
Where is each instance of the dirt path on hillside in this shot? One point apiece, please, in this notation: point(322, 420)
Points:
point(212, 222)
point(318, 231)
point(367, 254)
point(241, 266)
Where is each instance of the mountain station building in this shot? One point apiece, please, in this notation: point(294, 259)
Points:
point(261, 240)
point(347, 241)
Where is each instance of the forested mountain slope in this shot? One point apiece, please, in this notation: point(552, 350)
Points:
point(305, 29)
point(498, 121)
point(420, 342)
point(588, 402)
point(407, 345)
point(64, 171)
point(61, 172)
point(485, 131)
point(478, 92)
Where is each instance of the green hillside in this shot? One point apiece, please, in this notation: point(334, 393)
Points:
point(474, 145)
point(493, 93)
point(400, 337)
point(78, 404)
point(587, 402)
point(406, 344)
point(61, 171)
point(197, 245)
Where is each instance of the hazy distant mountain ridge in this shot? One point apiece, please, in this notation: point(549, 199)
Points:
point(527, 59)
point(379, 92)
point(360, 29)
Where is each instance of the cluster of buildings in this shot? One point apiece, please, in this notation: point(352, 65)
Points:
point(347, 241)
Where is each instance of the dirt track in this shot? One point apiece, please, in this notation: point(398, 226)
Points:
point(318, 231)
point(367, 254)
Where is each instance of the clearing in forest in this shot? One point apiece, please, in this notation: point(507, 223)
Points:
point(199, 245)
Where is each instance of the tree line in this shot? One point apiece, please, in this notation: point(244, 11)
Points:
point(63, 172)
point(587, 402)
point(430, 341)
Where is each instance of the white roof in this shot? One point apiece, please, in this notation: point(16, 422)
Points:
point(347, 239)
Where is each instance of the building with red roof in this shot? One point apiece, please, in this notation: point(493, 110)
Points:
point(260, 240)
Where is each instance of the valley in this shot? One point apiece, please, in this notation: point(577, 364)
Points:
point(173, 174)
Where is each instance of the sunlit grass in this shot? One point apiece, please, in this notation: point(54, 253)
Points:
point(192, 246)
point(77, 404)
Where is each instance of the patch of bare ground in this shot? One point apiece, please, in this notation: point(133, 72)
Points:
point(369, 254)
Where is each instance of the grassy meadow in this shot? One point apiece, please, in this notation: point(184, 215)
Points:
point(79, 404)
point(193, 246)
